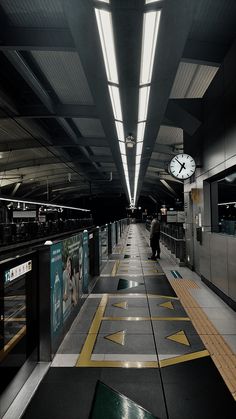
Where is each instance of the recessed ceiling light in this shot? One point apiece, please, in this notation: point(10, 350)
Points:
point(122, 147)
point(146, 1)
point(105, 28)
point(139, 148)
point(140, 131)
point(120, 130)
point(143, 103)
point(115, 101)
point(151, 22)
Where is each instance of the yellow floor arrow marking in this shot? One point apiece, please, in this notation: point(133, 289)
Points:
point(123, 305)
point(179, 337)
point(168, 304)
point(118, 337)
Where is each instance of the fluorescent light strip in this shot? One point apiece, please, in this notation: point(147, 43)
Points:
point(108, 1)
point(46, 204)
point(151, 22)
point(143, 103)
point(146, 1)
point(227, 203)
point(141, 131)
point(139, 148)
point(124, 159)
point(105, 29)
point(115, 101)
point(122, 148)
point(120, 130)
point(138, 159)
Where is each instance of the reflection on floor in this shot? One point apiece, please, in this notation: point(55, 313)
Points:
point(142, 333)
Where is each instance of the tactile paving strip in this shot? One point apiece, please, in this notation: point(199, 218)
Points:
point(221, 353)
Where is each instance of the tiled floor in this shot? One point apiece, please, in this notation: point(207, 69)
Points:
point(149, 336)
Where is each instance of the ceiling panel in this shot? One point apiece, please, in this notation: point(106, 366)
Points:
point(19, 155)
point(170, 135)
point(160, 156)
point(101, 151)
point(192, 80)
point(10, 130)
point(214, 21)
point(35, 13)
point(65, 74)
point(89, 127)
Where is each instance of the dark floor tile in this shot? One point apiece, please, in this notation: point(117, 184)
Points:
point(143, 386)
point(64, 393)
point(196, 390)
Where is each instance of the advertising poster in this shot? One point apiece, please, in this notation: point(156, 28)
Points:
point(56, 288)
point(85, 263)
point(72, 266)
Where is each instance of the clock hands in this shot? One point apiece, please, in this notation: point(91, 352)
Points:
point(182, 167)
point(181, 164)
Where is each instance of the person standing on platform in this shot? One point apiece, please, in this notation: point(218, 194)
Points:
point(155, 238)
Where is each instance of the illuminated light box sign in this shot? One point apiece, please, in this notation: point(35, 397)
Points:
point(17, 271)
point(24, 214)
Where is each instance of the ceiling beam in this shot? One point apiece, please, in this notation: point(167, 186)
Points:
point(61, 110)
point(26, 143)
point(181, 117)
point(206, 53)
point(41, 39)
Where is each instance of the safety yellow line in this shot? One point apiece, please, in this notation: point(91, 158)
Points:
point(183, 358)
point(133, 319)
point(120, 364)
point(86, 353)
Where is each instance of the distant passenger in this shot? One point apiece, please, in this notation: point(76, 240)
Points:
point(155, 238)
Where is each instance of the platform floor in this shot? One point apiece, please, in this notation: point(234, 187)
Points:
point(154, 335)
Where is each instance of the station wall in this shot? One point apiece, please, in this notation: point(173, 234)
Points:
point(214, 147)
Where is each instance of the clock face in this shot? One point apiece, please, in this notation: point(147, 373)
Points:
point(182, 166)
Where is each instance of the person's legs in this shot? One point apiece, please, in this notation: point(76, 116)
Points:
point(158, 246)
point(153, 247)
point(154, 244)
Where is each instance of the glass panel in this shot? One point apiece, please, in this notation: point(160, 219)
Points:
point(223, 200)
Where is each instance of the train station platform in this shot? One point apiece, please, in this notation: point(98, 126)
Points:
point(151, 341)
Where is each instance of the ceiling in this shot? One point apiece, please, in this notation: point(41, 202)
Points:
point(58, 139)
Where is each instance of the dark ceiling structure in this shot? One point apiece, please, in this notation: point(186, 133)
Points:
point(58, 139)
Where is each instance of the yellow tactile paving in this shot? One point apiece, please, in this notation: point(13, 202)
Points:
point(221, 353)
point(185, 283)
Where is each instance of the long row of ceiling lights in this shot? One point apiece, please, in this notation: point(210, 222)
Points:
point(105, 29)
point(151, 23)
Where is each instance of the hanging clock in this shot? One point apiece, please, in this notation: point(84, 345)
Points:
point(182, 166)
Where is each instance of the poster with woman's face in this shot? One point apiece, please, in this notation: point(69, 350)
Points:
point(71, 249)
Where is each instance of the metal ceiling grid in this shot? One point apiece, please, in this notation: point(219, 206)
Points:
point(170, 135)
point(35, 13)
point(89, 127)
point(65, 74)
point(203, 78)
point(192, 80)
point(214, 21)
